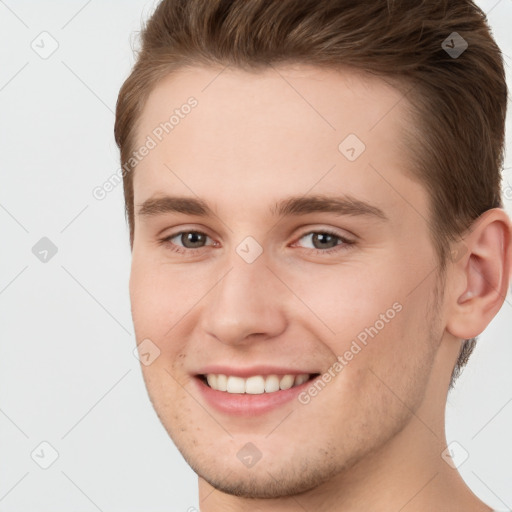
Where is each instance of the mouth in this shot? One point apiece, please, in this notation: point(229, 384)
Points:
point(251, 391)
point(255, 384)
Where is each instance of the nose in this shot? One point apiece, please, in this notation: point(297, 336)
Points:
point(248, 303)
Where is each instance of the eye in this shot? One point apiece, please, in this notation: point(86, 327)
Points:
point(185, 241)
point(326, 241)
point(321, 242)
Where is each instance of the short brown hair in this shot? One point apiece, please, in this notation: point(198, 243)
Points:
point(459, 101)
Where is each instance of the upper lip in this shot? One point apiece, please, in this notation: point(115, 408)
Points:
point(253, 370)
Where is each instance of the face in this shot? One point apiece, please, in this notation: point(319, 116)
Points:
point(276, 241)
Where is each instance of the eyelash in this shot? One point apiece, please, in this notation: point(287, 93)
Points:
point(344, 244)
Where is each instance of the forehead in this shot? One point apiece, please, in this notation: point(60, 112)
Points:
point(285, 128)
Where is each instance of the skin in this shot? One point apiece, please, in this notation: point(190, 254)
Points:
point(372, 438)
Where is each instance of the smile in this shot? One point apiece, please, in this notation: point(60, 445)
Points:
point(256, 384)
point(246, 396)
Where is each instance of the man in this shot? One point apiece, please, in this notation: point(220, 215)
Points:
point(313, 193)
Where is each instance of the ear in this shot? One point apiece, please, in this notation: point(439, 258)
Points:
point(480, 274)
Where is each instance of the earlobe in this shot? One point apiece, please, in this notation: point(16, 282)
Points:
point(482, 274)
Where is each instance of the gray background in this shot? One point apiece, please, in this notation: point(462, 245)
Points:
point(68, 376)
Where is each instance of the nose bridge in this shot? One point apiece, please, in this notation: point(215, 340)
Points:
point(245, 301)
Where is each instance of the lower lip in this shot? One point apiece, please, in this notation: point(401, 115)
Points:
point(245, 404)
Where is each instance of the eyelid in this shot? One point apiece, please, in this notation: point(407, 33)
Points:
point(339, 231)
point(343, 234)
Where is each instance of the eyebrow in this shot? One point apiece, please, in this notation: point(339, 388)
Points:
point(291, 206)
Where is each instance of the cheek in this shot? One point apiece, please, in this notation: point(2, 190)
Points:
point(394, 363)
point(158, 301)
point(162, 302)
point(346, 303)
point(373, 322)
point(159, 297)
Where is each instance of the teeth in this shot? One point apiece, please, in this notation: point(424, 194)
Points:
point(271, 384)
point(286, 382)
point(212, 380)
point(236, 384)
point(255, 385)
point(222, 383)
point(300, 379)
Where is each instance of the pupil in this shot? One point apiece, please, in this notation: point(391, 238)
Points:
point(324, 237)
point(193, 238)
